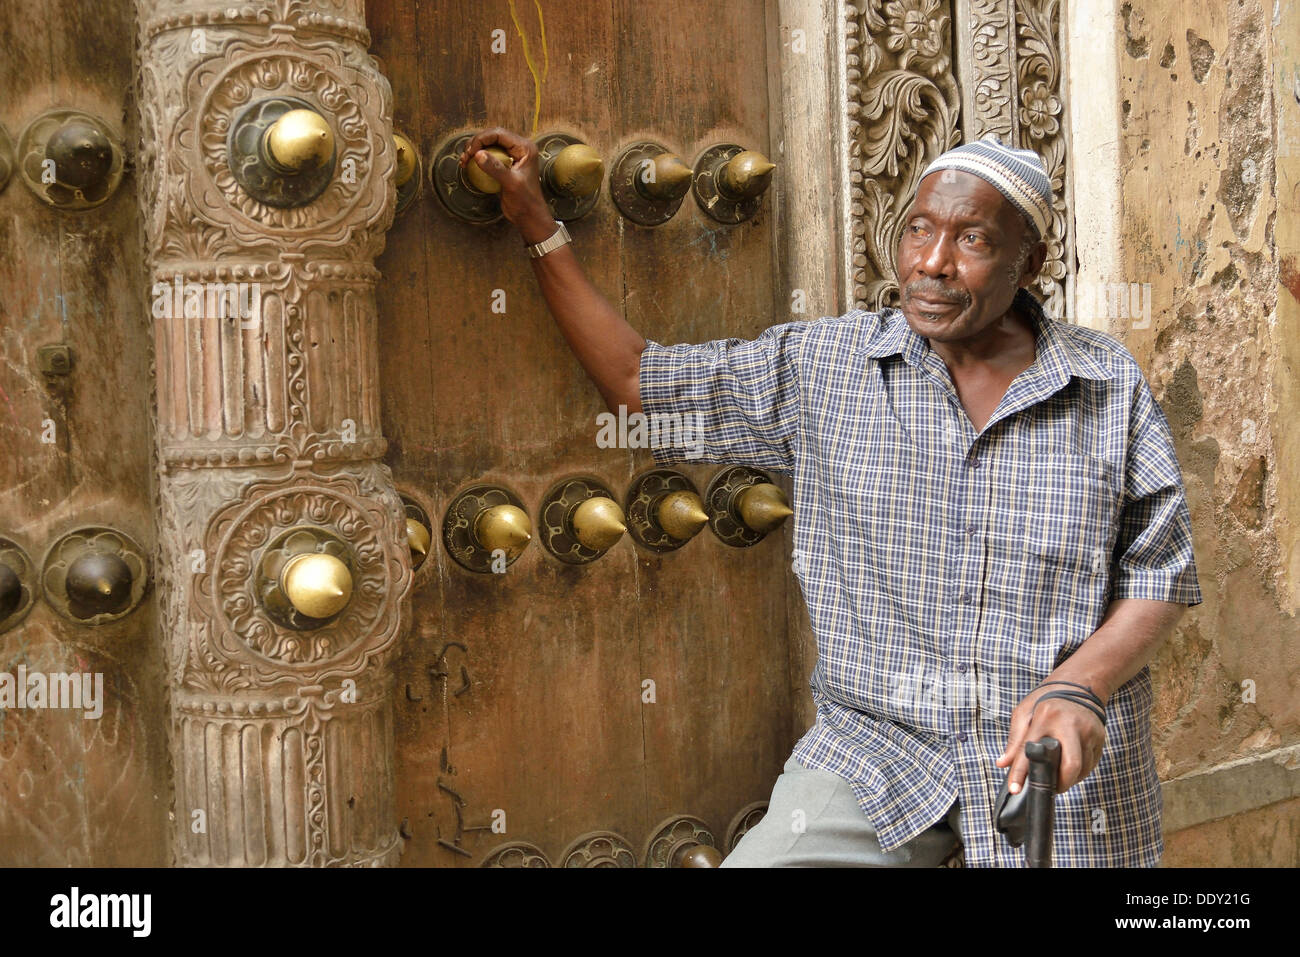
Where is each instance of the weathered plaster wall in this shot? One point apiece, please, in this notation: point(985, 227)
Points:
point(1208, 95)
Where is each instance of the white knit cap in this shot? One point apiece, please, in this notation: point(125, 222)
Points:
point(1019, 175)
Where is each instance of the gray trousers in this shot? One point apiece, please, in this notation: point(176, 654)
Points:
point(813, 820)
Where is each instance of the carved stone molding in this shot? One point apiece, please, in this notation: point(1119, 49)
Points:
point(984, 29)
point(266, 387)
point(1011, 56)
point(289, 781)
point(344, 18)
point(1041, 116)
point(255, 398)
point(921, 76)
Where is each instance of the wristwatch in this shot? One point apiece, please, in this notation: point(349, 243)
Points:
point(556, 240)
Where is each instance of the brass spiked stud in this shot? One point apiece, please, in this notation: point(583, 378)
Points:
point(317, 585)
point(681, 514)
point(598, 523)
point(298, 142)
point(505, 527)
point(763, 507)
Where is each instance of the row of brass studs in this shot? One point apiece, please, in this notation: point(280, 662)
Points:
point(680, 841)
point(281, 151)
point(647, 183)
point(486, 527)
point(90, 575)
point(95, 575)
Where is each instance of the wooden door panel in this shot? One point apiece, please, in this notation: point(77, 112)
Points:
point(550, 727)
point(711, 617)
point(72, 790)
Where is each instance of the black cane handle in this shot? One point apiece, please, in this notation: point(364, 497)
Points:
point(1044, 768)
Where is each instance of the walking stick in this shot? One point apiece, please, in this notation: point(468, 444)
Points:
point(1027, 818)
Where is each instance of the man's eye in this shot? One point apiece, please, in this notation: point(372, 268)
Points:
point(974, 238)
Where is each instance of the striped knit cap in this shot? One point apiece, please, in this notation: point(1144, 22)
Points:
point(1019, 175)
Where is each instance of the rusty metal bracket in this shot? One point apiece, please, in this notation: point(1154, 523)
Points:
point(54, 359)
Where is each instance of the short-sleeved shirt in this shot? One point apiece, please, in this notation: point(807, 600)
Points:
point(947, 571)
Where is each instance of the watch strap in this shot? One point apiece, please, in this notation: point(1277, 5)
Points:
point(551, 243)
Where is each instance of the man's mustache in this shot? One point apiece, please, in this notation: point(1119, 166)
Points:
point(936, 292)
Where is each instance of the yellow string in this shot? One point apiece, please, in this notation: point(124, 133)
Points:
point(546, 54)
point(528, 59)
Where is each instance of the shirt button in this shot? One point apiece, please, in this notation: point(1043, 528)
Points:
point(970, 529)
point(961, 735)
point(965, 598)
point(975, 463)
point(961, 668)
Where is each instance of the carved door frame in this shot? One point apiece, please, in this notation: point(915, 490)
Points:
point(905, 80)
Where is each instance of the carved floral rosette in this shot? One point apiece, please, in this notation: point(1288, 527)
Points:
point(195, 212)
point(242, 647)
point(220, 90)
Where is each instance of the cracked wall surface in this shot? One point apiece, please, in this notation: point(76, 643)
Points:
point(1209, 124)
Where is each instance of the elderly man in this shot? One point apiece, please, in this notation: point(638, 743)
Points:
point(991, 532)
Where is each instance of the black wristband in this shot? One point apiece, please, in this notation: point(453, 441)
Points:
point(1073, 684)
point(1087, 691)
point(1086, 701)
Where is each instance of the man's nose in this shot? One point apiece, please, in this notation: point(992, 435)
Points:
point(936, 259)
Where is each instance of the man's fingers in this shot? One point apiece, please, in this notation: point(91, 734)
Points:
point(1009, 752)
point(512, 143)
point(489, 137)
point(1014, 756)
point(1022, 730)
point(490, 164)
point(1019, 771)
point(1016, 740)
point(1071, 763)
point(1080, 750)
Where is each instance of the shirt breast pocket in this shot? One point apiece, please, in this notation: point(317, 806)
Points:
point(1072, 511)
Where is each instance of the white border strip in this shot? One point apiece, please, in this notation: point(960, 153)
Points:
point(1094, 141)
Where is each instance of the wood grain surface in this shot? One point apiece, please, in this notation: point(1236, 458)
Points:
point(76, 791)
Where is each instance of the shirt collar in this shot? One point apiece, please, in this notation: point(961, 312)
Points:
point(1055, 352)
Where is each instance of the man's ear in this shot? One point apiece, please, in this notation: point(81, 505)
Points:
point(1034, 264)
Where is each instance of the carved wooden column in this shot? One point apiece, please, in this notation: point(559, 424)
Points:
point(268, 420)
point(921, 76)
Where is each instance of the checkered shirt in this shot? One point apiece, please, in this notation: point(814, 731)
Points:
point(947, 572)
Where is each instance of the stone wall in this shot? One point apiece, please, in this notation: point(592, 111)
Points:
point(1208, 99)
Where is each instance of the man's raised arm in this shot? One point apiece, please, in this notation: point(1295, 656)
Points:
point(608, 348)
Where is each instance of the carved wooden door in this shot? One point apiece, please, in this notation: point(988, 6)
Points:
point(169, 461)
point(248, 614)
point(557, 700)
